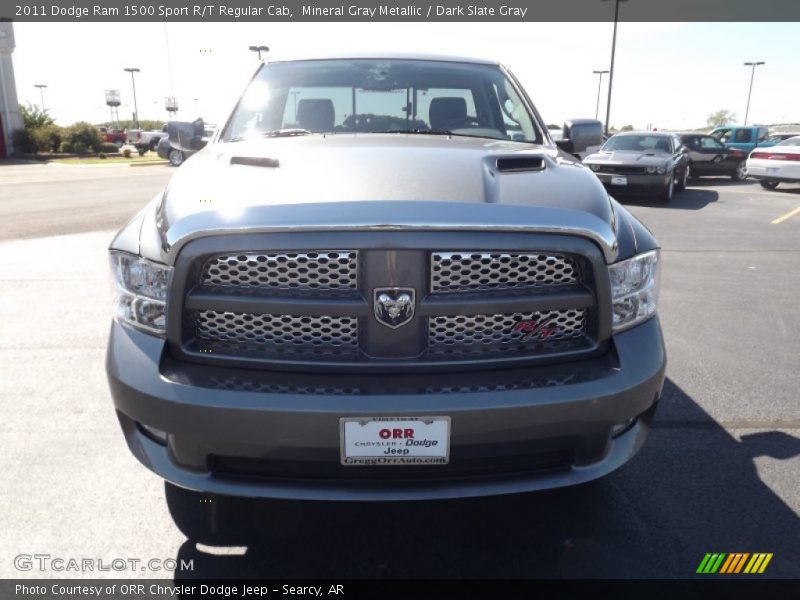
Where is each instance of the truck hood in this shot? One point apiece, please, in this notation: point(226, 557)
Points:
point(387, 181)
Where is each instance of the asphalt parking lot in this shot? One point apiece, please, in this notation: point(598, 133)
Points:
point(719, 474)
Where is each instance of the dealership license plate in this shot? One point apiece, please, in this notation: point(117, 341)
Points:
point(773, 171)
point(619, 181)
point(395, 441)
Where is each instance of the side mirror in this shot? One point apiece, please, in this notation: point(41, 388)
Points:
point(566, 145)
point(582, 134)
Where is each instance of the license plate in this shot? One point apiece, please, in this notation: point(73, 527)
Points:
point(619, 181)
point(773, 170)
point(395, 440)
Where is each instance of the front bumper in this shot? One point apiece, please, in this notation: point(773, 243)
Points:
point(634, 182)
point(283, 438)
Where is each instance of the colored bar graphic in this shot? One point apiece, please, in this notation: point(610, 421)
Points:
point(734, 563)
point(711, 563)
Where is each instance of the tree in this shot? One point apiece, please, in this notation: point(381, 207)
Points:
point(720, 118)
point(627, 128)
point(33, 117)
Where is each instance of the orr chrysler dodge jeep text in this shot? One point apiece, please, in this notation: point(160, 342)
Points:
point(382, 280)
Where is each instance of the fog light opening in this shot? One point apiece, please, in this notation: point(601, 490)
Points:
point(620, 428)
point(154, 434)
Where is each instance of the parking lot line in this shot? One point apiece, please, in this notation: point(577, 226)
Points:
point(788, 215)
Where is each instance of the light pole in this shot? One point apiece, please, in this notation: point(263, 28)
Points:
point(613, 51)
point(752, 75)
point(41, 87)
point(133, 70)
point(259, 49)
point(599, 85)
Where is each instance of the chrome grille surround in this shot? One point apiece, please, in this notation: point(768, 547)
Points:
point(480, 271)
point(318, 270)
point(279, 333)
point(454, 334)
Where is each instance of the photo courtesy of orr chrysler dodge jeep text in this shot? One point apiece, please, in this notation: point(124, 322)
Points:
point(383, 280)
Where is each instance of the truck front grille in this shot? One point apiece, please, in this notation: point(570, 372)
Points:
point(300, 308)
point(279, 333)
point(478, 271)
point(503, 332)
point(318, 270)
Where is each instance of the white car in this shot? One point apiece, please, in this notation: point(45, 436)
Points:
point(775, 164)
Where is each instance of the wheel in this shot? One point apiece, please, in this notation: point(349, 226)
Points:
point(740, 174)
point(668, 191)
point(685, 178)
point(176, 157)
point(768, 184)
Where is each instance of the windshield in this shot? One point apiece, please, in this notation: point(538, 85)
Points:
point(372, 96)
point(639, 143)
point(792, 141)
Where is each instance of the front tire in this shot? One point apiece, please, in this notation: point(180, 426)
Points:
point(740, 174)
point(768, 184)
point(176, 157)
point(685, 178)
point(666, 194)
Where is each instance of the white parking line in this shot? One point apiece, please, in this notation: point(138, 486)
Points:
point(788, 215)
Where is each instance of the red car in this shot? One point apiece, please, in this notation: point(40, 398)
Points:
point(113, 136)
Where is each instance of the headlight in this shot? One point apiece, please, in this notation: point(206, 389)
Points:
point(662, 170)
point(594, 167)
point(140, 292)
point(634, 289)
point(651, 169)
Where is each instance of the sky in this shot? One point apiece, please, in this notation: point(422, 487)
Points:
point(667, 75)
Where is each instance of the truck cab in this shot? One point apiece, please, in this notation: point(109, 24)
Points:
point(744, 138)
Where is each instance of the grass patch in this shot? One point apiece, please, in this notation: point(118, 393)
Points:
point(150, 157)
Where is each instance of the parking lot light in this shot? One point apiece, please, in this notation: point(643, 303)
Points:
point(749, 93)
point(599, 85)
point(41, 87)
point(133, 70)
point(259, 50)
point(613, 51)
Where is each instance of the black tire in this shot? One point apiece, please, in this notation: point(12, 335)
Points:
point(768, 184)
point(175, 157)
point(207, 518)
point(740, 174)
point(687, 172)
point(665, 197)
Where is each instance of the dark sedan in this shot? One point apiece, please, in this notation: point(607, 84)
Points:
point(711, 157)
point(653, 162)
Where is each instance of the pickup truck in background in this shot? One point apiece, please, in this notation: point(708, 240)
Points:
point(113, 136)
point(744, 138)
point(146, 140)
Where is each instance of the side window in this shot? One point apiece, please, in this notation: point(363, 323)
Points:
point(743, 135)
point(709, 142)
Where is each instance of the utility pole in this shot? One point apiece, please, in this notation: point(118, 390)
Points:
point(133, 70)
point(599, 85)
point(613, 52)
point(41, 87)
point(749, 93)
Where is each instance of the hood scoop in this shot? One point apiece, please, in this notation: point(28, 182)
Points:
point(520, 164)
point(255, 161)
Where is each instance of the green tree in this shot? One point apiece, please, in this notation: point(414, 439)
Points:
point(33, 117)
point(627, 128)
point(720, 118)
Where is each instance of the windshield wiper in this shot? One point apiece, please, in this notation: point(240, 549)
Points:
point(290, 132)
point(287, 132)
point(418, 131)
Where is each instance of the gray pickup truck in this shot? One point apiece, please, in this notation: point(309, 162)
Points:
point(382, 280)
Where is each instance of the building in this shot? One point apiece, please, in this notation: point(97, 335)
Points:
point(10, 118)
